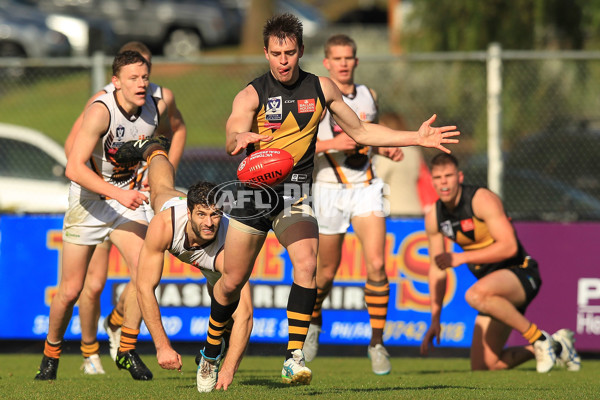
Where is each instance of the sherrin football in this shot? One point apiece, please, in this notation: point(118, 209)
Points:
point(267, 166)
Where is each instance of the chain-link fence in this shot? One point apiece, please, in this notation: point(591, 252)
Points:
point(549, 106)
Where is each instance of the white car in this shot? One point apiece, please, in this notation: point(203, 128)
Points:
point(32, 172)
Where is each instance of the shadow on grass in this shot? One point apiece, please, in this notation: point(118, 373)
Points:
point(270, 383)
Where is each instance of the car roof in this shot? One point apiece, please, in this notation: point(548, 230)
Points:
point(35, 138)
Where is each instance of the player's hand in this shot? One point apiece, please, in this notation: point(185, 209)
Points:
point(432, 333)
point(393, 153)
point(169, 359)
point(445, 260)
point(131, 199)
point(245, 138)
point(225, 379)
point(343, 142)
point(430, 136)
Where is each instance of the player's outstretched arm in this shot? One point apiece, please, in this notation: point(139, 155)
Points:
point(379, 135)
point(240, 336)
point(239, 123)
point(150, 266)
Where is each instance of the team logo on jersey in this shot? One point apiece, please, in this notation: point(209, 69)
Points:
point(120, 132)
point(306, 105)
point(446, 227)
point(466, 225)
point(274, 111)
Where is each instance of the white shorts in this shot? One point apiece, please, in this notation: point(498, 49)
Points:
point(90, 222)
point(147, 207)
point(335, 205)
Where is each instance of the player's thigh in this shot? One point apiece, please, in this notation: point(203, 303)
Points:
point(129, 238)
point(242, 245)
point(503, 283)
point(489, 338)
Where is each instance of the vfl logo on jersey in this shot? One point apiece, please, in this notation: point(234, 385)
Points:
point(120, 133)
point(306, 105)
point(466, 225)
point(446, 227)
point(274, 110)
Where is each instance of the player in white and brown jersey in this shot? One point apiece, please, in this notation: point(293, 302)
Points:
point(101, 203)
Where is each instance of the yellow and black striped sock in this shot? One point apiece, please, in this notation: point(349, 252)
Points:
point(89, 349)
point(377, 297)
point(219, 318)
point(128, 339)
point(53, 350)
point(533, 333)
point(321, 296)
point(301, 303)
point(115, 319)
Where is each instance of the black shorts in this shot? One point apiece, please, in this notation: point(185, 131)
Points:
point(529, 276)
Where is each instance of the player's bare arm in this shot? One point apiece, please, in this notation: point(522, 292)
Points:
point(239, 123)
point(437, 281)
point(240, 336)
point(150, 267)
point(340, 142)
point(95, 123)
point(178, 128)
point(379, 135)
point(488, 207)
point(77, 124)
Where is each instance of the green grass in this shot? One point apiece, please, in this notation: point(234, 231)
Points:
point(333, 378)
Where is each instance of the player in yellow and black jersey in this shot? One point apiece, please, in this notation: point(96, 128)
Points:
point(282, 110)
point(508, 278)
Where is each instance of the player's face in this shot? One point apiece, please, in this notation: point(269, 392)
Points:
point(446, 182)
point(204, 222)
point(133, 81)
point(341, 62)
point(283, 56)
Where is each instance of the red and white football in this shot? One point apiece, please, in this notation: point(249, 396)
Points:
point(268, 166)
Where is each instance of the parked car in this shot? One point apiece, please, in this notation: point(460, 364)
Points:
point(174, 28)
point(32, 172)
point(27, 35)
point(85, 34)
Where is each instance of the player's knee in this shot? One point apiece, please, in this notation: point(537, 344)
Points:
point(69, 295)
point(475, 298)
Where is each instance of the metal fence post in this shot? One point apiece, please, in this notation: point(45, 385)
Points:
point(494, 114)
point(98, 74)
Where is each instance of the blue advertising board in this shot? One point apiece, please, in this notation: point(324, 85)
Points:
point(30, 258)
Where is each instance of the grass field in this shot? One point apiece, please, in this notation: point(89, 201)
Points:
point(333, 378)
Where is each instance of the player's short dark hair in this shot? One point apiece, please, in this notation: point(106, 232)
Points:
point(340, 40)
point(202, 193)
point(443, 159)
point(127, 57)
point(284, 26)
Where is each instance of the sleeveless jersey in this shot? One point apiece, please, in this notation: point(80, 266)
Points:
point(155, 91)
point(122, 128)
point(347, 166)
point(202, 257)
point(291, 114)
point(472, 233)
